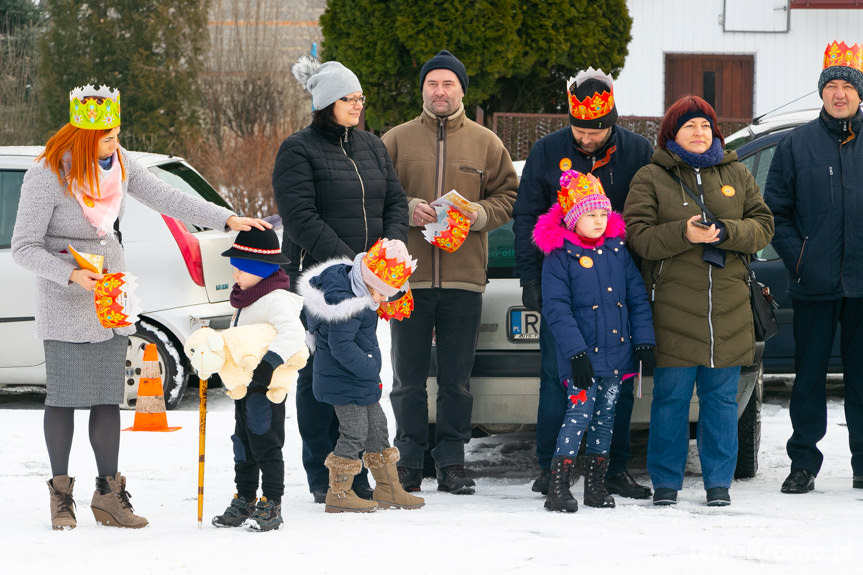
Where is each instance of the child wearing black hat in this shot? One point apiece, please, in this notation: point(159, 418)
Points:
point(261, 296)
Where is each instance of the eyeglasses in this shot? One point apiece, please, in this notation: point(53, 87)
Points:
point(354, 101)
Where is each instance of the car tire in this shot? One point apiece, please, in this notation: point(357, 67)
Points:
point(173, 375)
point(749, 433)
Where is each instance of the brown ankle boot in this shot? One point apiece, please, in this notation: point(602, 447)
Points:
point(113, 508)
point(62, 502)
point(388, 489)
point(340, 497)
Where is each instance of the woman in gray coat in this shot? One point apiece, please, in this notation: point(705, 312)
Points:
point(75, 195)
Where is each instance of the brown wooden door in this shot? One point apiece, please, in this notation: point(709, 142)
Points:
point(726, 81)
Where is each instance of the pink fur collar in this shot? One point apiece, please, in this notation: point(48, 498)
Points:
point(550, 231)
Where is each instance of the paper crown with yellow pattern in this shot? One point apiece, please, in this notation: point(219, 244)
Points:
point(591, 100)
point(387, 266)
point(842, 62)
point(580, 193)
point(94, 109)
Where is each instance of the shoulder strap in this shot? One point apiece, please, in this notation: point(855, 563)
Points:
point(692, 194)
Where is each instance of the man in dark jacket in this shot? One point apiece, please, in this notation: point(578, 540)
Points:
point(815, 191)
point(337, 193)
point(592, 144)
point(438, 151)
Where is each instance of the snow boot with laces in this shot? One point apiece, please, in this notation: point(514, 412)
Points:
point(595, 494)
point(388, 490)
point(559, 496)
point(340, 496)
point(62, 502)
point(111, 505)
point(237, 512)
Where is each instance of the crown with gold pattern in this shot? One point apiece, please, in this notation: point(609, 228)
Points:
point(839, 54)
point(591, 99)
point(387, 266)
point(580, 193)
point(842, 62)
point(94, 109)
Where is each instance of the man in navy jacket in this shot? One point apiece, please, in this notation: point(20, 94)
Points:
point(815, 191)
point(592, 144)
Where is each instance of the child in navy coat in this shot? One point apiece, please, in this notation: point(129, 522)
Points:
point(596, 305)
point(342, 299)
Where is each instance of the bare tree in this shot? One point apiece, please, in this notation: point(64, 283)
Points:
point(19, 106)
point(251, 101)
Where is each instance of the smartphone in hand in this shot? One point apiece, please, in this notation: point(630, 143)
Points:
point(700, 224)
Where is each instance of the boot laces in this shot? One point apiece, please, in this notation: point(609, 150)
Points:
point(65, 503)
point(124, 498)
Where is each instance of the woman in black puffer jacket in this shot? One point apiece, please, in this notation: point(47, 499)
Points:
point(337, 193)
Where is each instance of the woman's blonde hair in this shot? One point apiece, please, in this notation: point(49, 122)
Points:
point(83, 145)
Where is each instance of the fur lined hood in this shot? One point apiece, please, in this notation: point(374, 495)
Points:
point(550, 231)
point(326, 289)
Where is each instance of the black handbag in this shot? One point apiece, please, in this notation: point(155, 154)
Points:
point(760, 298)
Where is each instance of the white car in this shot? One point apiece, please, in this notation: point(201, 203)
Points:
point(183, 282)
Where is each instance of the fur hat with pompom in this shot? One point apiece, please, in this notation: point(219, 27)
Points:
point(326, 82)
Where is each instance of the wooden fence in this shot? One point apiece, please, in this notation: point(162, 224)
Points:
point(519, 131)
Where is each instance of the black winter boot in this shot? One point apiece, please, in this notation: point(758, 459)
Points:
point(559, 496)
point(595, 494)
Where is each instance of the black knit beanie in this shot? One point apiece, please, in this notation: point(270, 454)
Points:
point(445, 60)
point(589, 88)
point(847, 73)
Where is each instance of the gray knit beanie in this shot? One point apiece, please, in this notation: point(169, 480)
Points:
point(851, 75)
point(326, 82)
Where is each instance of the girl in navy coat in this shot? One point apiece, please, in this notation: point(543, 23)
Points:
point(341, 299)
point(596, 304)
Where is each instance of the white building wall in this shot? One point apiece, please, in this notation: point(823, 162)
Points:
point(787, 65)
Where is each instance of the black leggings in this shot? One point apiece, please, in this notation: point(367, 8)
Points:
point(59, 426)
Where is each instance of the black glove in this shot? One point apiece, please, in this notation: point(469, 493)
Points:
point(582, 371)
point(263, 374)
point(644, 354)
point(531, 295)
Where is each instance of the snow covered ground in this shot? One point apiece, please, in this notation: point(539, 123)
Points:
point(503, 528)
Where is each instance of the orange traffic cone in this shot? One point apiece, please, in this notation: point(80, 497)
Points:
point(150, 407)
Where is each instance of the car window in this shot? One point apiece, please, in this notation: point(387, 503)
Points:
point(501, 253)
point(765, 157)
point(10, 192)
point(187, 180)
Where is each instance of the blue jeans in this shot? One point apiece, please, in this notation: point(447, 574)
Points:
point(668, 442)
point(592, 420)
point(553, 403)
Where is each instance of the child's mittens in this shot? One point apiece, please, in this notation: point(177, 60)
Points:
point(263, 373)
point(647, 357)
point(582, 370)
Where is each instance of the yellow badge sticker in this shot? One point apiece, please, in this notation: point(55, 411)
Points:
point(728, 191)
point(88, 201)
point(585, 262)
point(565, 164)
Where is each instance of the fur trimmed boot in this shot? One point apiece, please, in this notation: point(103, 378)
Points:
point(559, 496)
point(388, 489)
point(62, 502)
point(111, 505)
point(595, 494)
point(340, 496)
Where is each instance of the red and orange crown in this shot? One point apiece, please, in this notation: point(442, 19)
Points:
point(839, 54)
point(390, 265)
point(580, 193)
point(591, 106)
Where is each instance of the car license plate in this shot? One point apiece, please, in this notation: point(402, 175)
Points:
point(523, 324)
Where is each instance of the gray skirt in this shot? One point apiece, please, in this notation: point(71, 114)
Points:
point(85, 374)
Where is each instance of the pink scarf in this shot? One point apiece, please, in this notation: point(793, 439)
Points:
point(102, 212)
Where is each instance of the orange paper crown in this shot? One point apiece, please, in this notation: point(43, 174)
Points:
point(393, 269)
point(839, 54)
point(574, 187)
point(397, 310)
point(454, 236)
point(592, 107)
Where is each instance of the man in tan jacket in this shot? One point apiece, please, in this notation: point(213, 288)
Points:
point(438, 151)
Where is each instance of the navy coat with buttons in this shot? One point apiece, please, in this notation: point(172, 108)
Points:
point(347, 363)
point(592, 297)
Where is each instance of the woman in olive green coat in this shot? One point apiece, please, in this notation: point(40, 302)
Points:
point(698, 288)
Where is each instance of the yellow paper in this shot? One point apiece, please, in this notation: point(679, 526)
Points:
point(90, 262)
